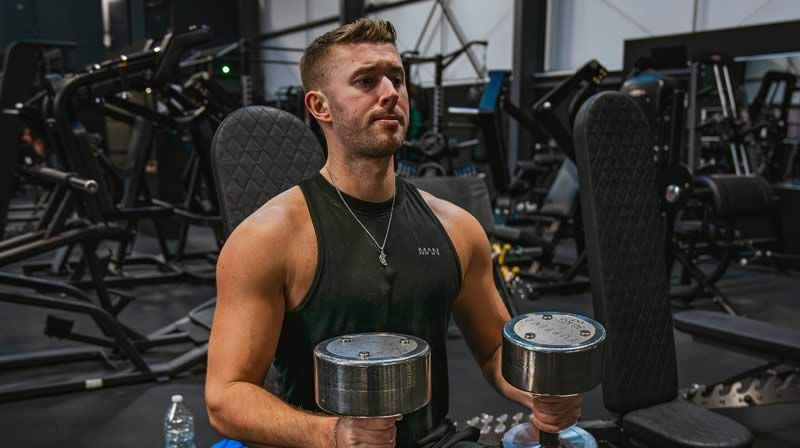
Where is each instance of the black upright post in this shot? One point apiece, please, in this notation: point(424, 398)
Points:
point(137, 25)
point(252, 72)
point(530, 35)
point(350, 11)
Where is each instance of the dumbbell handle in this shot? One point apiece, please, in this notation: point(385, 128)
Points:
point(548, 439)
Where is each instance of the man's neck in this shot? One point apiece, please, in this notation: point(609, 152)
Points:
point(366, 179)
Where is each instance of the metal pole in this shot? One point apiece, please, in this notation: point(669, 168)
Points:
point(731, 96)
point(350, 11)
point(438, 95)
point(425, 27)
point(462, 39)
point(720, 91)
point(692, 119)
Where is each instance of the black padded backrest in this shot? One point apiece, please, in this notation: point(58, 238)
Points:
point(562, 197)
point(257, 153)
point(625, 248)
point(469, 193)
point(738, 196)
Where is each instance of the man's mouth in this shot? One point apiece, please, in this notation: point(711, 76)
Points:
point(389, 118)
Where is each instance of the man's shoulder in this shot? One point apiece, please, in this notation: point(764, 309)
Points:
point(449, 213)
point(462, 228)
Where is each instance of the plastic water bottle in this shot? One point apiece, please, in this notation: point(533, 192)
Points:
point(178, 425)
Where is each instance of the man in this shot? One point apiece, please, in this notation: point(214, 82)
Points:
point(352, 250)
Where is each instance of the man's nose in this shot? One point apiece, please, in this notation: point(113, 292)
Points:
point(389, 93)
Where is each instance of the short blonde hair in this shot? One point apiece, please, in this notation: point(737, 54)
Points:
point(312, 64)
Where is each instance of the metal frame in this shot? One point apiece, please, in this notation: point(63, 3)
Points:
point(769, 38)
point(529, 52)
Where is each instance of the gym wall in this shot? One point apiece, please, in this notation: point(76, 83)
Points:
point(79, 21)
point(580, 30)
point(480, 20)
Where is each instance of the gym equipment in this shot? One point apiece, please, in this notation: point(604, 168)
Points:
point(630, 285)
point(488, 118)
point(493, 428)
point(726, 198)
point(272, 149)
point(431, 154)
point(723, 199)
point(372, 374)
point(661, 98)
point(19, 96)
point(762, 385)
point(557, 209)
point(719, 137)
point(106, 86)
point(442, 61)
point(117, 346)
point(556, 110)
point(768, 114)
point(552, 354)
point(703, 213)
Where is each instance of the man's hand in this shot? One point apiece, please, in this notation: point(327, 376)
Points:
point(366, 432)
point(553, 414)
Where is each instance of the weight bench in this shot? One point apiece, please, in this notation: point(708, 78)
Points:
point(759, 385)
point(627, 266)
point(723, 199)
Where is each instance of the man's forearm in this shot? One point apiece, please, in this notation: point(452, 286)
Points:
point(493, 372)
point(250, 414)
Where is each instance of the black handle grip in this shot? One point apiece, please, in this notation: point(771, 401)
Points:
point(548, 439)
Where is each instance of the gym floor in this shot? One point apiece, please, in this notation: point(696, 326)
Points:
point(132, 416)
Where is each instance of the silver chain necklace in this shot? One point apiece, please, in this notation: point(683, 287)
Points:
point(382, 255)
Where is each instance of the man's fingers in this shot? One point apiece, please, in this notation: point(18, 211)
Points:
point(373, 437)
point(569, 417)
point(554, 423)
point(556, 405)
point(541, 413)
point(374, 424)
point(554, 429)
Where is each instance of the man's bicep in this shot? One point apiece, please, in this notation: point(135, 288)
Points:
point(478, 310)
point(249, 313)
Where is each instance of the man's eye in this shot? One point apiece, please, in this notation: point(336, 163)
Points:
point(397, 80)
point(364, 81)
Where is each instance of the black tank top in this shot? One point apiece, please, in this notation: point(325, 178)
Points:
point(353, 293)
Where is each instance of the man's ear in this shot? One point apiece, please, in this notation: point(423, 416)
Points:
point(318, 106)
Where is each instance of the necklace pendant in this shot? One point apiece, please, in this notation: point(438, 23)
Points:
point(382, 259)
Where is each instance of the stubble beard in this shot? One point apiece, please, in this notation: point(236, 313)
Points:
point(370, 142)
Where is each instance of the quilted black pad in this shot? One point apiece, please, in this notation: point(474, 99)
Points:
point(680, 424)
point(469, 193)
point(257, 153)
point(625, 244)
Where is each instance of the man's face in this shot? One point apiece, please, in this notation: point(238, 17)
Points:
point(366, 90)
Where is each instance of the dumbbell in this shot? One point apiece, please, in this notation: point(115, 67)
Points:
point(372, 375)
point(553, 354)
